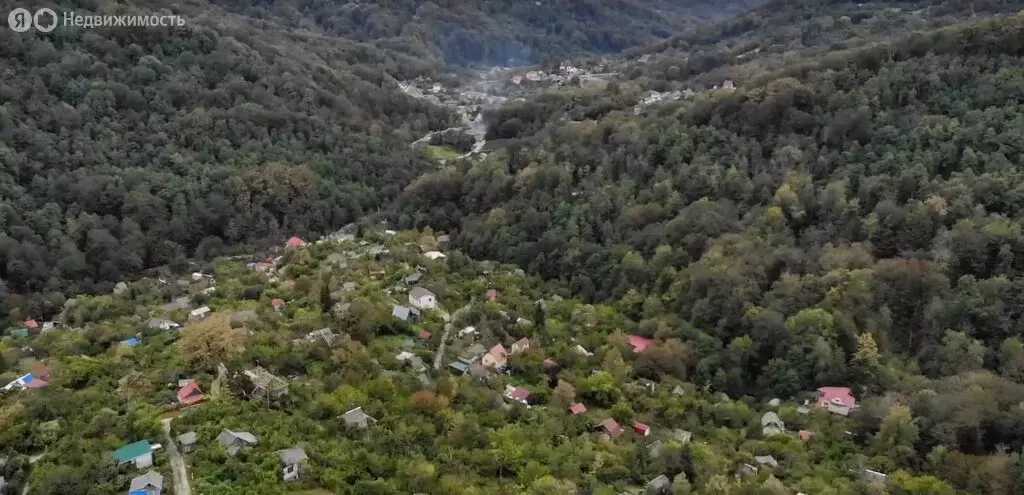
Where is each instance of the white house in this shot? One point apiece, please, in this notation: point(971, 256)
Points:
point(199, 313)
point(422, 298)
point(434, 255)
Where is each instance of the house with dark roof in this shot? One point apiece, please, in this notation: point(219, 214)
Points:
point(357, 418)
point(187, 442)
point(292, 459)
point(139, 453)
point(458, 367)
point(234, 441)
point(190, 394)
point(151, 483)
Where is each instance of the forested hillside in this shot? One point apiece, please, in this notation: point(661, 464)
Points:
point(499, 32)
point(868, 194)
point(124, 149)
point(508, 387)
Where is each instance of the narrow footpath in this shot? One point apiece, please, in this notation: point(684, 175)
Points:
point(177, 463)
point(447, 330)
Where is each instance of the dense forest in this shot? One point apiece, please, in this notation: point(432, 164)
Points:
point(125, 149)
point(868, 199)
point(128, 149)
point(498, 32)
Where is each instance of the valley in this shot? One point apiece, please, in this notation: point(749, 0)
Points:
point(488, 247)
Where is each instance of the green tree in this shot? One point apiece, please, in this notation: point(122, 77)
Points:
point(897, 435)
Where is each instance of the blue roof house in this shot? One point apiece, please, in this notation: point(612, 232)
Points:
point(132, 342)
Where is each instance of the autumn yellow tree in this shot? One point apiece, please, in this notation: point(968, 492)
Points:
point(208, 342)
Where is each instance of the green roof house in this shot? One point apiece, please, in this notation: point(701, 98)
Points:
point(140, 453)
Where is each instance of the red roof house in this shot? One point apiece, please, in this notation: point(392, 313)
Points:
point(424, 335)
point(577, 409)
point(519, 394)
point(277, 303)
point(31, 324)
point(492, 294)
point(640, 344)
point(611, 427)
point(641, 429)
point(190, 394)
point(295, 242)
point(550, 363)
point(839, 400)
point(805, 435)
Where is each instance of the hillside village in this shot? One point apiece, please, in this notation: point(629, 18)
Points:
point(308, 366)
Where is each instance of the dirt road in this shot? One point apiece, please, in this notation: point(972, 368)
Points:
point(177, 463)
point(447, 330)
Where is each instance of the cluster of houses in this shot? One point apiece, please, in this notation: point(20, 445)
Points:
point(38, 378)
point(140, 454)
point(563, 74)
point(476, 360)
